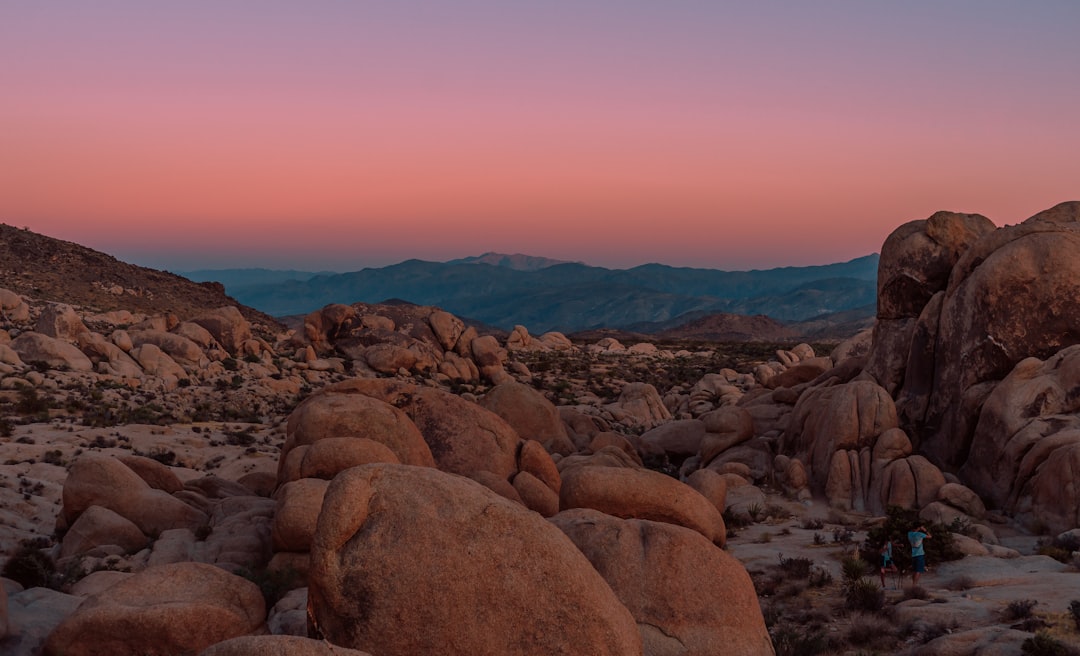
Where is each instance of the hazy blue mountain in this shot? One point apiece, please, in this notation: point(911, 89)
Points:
point(516, 261)
point(248, 277)
point(573, 296)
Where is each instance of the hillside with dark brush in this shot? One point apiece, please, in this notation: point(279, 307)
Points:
point(572, 297)
point(41, 267)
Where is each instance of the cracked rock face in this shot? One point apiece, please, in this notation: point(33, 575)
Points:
point(687, 596)
point(1011, 296)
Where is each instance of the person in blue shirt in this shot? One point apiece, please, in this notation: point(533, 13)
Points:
point(887, 563)
point(918, 554)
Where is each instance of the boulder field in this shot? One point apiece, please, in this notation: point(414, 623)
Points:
point(402, 484)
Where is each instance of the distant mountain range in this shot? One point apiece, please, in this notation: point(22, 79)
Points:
point(543, 294)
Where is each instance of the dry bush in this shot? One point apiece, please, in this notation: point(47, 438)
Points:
point(871, 631)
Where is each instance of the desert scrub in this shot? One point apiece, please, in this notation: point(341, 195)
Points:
point(789, 641)
point(819, 577)
point(1060, 548)
point(843, 535)
point(860, 593)
point(871, 631)
point(796, 568)
point(1019, 609)
point(1043, 644)
point(30, 566)
point(864, 595)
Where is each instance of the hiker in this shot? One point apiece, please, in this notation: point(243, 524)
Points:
point(887, 562)
point(918, 555)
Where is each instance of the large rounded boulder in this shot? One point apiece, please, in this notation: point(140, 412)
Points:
point(410, 560)
point(171, 609)
point(641, 494)
point(341, 412)
point(688, 596)
point(528, 411)
point(463, 438)
point(99, 480)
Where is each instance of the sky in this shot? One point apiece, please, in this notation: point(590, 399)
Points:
point(337, 135)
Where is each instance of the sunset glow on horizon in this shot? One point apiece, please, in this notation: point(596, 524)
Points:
point(337, 135)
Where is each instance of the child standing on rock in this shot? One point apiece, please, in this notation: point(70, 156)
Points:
point(887, 562)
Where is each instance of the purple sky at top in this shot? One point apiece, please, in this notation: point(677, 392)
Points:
point(338, 135)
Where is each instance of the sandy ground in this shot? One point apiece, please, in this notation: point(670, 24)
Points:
point(33, 462)
point(968, 595)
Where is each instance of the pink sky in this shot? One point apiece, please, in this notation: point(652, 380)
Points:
point(335, 135)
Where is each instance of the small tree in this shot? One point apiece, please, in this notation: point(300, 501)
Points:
point(898, 522)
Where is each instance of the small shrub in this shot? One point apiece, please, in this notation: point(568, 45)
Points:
point(1019, 609)
point(776, 512)
point(30, 566)
point(843, 535)
point(1043, 644)
point(1074, 609)
point(6, 428)
point(864, 595)
point(1060, 548)
point(240, 438)
point(854, 569)
point(765, 538)
point(230, 364)
point(819, 539)
point(791, 642)
point(870, 631)
point(798, 568)
point(162, 455)
point(102, 442)
point(754, 512)
point(812, 524)
point(32, 404)
point(54, 457)
point(1031, 624)
point(819, 577)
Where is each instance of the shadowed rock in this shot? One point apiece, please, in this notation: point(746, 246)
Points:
point(172, 609)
